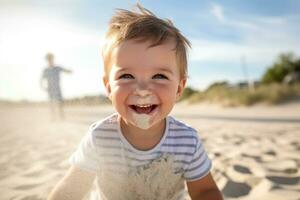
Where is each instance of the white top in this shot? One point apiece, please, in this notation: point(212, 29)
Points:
point(124, 172)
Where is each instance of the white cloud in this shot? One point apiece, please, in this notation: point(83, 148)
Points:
point(261, 39)
point(217, 11)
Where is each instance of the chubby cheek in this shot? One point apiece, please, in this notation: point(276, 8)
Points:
point(166, 93)
point(118, 93)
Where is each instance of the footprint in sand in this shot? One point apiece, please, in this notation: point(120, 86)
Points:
point(236, 189)
point(271, 153)
point(284, 180)
point(242, 169)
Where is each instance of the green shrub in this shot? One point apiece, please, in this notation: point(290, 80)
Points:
point(187, 92)
point(233, 96)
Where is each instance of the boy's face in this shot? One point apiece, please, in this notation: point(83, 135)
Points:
point(143, 83)
point(50, 60)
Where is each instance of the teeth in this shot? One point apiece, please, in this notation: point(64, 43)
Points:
point(144, 106)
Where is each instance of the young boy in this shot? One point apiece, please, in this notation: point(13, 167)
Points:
point(141, 153)
point(51, 75)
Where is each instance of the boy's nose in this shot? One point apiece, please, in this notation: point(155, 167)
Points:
point(143, 90)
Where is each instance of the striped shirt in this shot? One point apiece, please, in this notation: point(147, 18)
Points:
point(106, 151)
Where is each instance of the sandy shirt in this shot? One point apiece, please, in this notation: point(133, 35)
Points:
point(179, 156)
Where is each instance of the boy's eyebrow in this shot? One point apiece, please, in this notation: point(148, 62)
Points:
point(120, 69)
point(162, 69)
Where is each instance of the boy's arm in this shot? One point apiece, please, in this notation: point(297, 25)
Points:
point(74, 186)
point(67, 70)
point(204, 189)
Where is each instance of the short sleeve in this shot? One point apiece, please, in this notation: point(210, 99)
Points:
point(200, 164)
point(60, 69)
point(85, 156)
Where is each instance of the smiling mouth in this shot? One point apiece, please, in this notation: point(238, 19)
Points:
point(143, 109)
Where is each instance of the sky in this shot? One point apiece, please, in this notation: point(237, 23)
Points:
point(228, 39)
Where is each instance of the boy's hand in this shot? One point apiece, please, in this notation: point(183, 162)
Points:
point(74, 186)
point(204, 189)
point(67, 71)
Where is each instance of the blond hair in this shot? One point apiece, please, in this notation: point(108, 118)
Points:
point(143, 26)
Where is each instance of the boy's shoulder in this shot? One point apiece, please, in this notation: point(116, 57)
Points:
point(180, 132)
point(109, 123)
point(176, 125)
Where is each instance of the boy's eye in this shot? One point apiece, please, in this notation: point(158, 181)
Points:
point(159, 76)
point(126, 76)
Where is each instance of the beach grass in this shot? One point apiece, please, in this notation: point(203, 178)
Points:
point(234, 96)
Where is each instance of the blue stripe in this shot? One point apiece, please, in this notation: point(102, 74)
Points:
point(121, 147)
point(179, 145)
point(178, 123)
point(179, 129)
point(107, 137)
point(111, 147)
point(177, 153)
point(105, 129)
point(198, 166)
point(197, 158)
point(197, 176)
point(182, 137)
point(182, 161)
point(200, 174)
point(172, 122)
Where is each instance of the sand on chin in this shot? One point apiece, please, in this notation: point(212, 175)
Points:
point(255, 151)
point(141, 120)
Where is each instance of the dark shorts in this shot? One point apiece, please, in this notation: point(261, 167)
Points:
point(55, 95)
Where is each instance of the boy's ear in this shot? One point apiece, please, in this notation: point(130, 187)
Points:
point(105, 80)
point(180, 89)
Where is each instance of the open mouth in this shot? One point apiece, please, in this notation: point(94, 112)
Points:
point(143, 109)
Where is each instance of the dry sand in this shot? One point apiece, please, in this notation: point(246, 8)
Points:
point(255, 151)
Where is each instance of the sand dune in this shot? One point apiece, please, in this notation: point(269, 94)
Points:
point(255, 151)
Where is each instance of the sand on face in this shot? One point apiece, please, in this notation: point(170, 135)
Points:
point(255, 151)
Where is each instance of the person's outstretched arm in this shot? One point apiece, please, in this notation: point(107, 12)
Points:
point(74, 186)
point(67, 70)
point(204, 189)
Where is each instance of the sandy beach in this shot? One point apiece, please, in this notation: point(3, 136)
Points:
point(255, 150)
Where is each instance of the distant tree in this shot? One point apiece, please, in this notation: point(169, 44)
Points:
point(285, 64)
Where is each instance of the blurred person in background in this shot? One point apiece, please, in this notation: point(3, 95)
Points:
point(50, 81)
